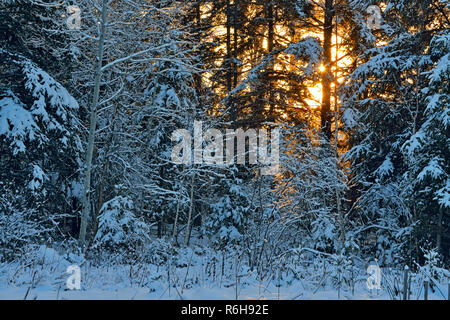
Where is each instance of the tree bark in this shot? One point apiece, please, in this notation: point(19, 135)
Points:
point(327, 74)
point(270, 45)
point(439, 230)
point(235, 43)
point(228, 58)
point(191, 205)
point(92, 126)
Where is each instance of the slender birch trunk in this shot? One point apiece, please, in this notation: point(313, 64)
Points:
point(92, 126)
point(340, 212)
point(175, 224)
point(191, 205)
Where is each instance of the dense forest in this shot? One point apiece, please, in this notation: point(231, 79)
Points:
point(349, 97)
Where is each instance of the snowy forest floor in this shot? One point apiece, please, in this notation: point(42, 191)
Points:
point(196, 274)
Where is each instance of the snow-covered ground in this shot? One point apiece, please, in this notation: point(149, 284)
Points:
point(254, 292)
point(192, 277)
point(199, 293)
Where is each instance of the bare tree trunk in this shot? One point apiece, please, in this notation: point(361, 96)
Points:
point(327, 75)
point(234, 109)
point(228, 59)
point(103, 176)
point(336, 143)
point(198, 32)
point(100, 201)
point(92, 126)
point(270, 45)
point(175, 224)
point(188, 226)
point(235, 43)
point(439, 230)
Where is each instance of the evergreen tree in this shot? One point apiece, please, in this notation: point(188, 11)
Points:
point(386, 103)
